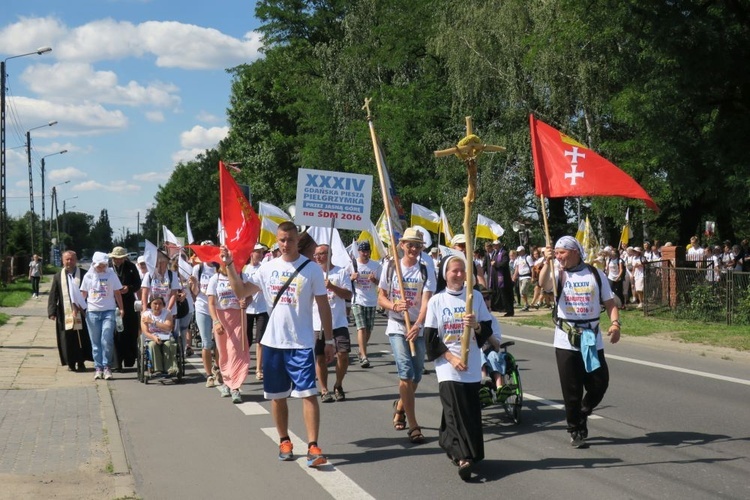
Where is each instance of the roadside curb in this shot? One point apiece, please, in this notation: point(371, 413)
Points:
point(124, 484)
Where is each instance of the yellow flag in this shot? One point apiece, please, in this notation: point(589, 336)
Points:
point(268, 229)
point(425, 217)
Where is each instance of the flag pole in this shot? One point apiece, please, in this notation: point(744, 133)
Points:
point(392, 248)
point(468, 149)
point(548, 241)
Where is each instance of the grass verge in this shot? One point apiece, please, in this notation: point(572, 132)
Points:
point(638, 325)
point(16, 293)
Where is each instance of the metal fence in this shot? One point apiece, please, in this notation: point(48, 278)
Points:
point(697, 292)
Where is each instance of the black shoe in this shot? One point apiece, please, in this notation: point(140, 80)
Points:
point(577, 440)
point(508, 315)
point(81, 367)
point(71, 368)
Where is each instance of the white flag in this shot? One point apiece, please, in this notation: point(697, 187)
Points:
point(190, 238)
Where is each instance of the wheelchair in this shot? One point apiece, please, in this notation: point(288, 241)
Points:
point(510, 395)
point(146, 366)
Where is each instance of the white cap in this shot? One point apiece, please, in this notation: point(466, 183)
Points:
point(459, 239)
point(141, 259)
point(520, 248)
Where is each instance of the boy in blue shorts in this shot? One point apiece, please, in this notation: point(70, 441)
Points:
point(290, 285)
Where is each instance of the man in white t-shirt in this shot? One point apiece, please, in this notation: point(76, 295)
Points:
point(339, 290)
point(579, 348)
point(365, 274)
point(522, 275)
point(288, 343)
point(407, 344)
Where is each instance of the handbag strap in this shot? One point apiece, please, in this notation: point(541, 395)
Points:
point(289, 281)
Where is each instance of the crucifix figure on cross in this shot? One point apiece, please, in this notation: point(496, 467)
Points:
point(468, 149)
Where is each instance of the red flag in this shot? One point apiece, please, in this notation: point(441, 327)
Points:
point(241, 223)
point(206, 253)
point(565, 167)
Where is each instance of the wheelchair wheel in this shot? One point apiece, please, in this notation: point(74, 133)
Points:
point(514, 402)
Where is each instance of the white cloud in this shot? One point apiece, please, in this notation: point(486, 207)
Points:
point(79, 81)
point(113, 186)
point(174, 44)
point(151, 176)
point(186, 155)
point(75, 119)
point(197, 140)
point(64, 174)
point(155, 116)
point(201, 137)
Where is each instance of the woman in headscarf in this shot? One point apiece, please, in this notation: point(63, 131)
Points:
point(459, 383)
point(101, 289)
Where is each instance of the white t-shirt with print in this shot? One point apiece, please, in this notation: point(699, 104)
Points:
point(149, 318)
point(340, 278)
point(160, 286)
point(365, 291)
point(203, 276)
point(219, 287)
point(414, 288)
point(290, 322)
point(445, 311)
point(100, 288)
point(579, 300)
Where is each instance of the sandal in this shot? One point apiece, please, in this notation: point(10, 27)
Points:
point(399, 417)
point(415, 435)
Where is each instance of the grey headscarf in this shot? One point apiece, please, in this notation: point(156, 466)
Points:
point(570, 243)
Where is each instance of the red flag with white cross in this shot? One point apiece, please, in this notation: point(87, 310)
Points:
point(564, 167)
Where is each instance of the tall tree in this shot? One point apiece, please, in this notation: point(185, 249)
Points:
point(101, 233)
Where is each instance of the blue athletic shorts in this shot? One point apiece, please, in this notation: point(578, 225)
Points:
point(288, 372)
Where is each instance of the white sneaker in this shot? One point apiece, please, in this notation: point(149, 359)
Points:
point(210, 381)
point(224, 390)
point(107, 374)
point(97, 374)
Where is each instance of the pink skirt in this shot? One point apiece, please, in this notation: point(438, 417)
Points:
point(234, 351)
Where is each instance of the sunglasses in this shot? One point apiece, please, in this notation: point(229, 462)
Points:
point(413, 246)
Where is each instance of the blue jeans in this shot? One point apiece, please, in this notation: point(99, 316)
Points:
point(409, 367)
point(495, 360)
point(102, 333)
point(205, 326)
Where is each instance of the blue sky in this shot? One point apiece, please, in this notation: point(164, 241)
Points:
point(135, 85)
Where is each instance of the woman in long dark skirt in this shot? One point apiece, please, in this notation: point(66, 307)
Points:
point(461, 425)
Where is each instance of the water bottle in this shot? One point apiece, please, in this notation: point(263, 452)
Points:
point(118, 320)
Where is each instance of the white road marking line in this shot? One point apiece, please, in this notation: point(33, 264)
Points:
point(251, 409)
point(335, 482)
point(687, 371)
point(557, 406)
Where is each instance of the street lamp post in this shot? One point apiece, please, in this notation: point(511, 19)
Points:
point(3, 205)
point(65, 219)
point(43, 196)
point(31, 183)
point(54, 207)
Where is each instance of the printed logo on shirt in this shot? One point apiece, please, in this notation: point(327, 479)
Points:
point(453, 323)
point(577, 297)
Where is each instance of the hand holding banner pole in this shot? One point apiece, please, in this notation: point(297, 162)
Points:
point(468, 149)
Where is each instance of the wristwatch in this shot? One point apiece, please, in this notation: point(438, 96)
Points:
point(617, 322)
point(330, 342)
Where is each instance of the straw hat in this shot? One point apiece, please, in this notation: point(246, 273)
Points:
point(118, 253)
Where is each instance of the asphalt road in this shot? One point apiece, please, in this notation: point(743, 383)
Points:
point(674, 424)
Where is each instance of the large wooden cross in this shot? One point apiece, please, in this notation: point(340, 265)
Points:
point(468, 149)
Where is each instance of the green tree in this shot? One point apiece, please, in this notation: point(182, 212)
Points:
point(101, 233)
